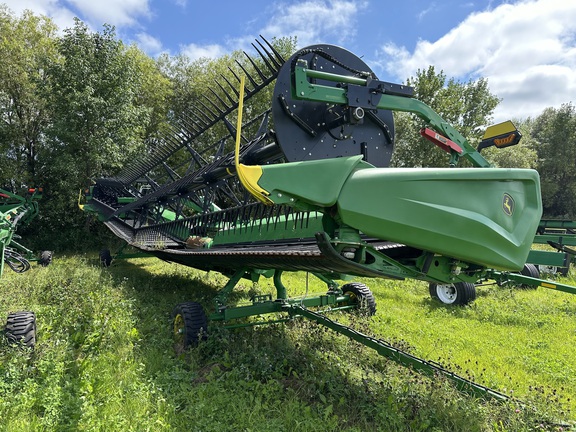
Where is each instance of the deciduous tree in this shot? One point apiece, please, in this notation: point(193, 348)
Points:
point(555, 134)
point(466, 106)
point(98, 95)
point(27, 47)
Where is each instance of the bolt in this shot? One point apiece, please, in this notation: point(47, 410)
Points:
point(358, 113)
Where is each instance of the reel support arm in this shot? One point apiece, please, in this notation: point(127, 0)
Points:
point(368, 93)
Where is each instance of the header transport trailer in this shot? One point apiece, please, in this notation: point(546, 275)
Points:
point(304, 184)
point(560, 237)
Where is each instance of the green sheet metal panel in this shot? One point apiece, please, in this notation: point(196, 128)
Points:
point(549, 258)
point(484, 216)
point(274, 229)
point(317, 183)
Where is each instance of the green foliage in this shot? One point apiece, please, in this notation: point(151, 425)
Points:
point(104, 358)
point(99, 117)
point(555, 133)
point(154, 91)
point(95, 117)
point(27, 45)
point(468, 107)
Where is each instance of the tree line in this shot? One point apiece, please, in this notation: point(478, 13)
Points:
point(80, 104)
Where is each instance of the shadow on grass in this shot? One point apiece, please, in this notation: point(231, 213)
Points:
point(330, 377)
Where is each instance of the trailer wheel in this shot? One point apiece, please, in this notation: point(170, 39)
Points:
point(189, 325)
point(532, 271)
point(45, 258)
point(105, 258)
point(21, 328)
point(553, 270)
point(459, 293)
point(361, 295)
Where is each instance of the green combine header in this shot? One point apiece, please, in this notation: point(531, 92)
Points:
point(306, 185)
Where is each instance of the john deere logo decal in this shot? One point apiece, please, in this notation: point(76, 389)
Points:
point(508, 204)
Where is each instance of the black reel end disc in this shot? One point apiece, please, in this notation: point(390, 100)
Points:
point(308, 130)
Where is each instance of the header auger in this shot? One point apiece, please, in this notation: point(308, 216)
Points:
point(315, 194)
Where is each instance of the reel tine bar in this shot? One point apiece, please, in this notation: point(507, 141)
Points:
point(206, 118)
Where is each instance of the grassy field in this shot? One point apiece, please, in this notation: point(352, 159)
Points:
point(105, 361)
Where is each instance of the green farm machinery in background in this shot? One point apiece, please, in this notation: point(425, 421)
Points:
point(560, 237)
point(16, 210)
point(305, 185)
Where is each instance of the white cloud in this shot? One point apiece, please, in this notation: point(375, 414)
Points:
point(60, 15)
point(117, 13)
point(149, 44)
point(195, 52)
point(123, 13)
point(426, 11)
point(311, 21)
point(315, 21)
point(526, 50)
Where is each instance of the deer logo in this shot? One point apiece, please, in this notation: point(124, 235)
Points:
point(508, 204)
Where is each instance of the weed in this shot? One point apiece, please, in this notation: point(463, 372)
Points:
point(104, 358)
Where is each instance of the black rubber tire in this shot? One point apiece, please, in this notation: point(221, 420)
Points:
point(189, 325)
point(45, 258)
point(105, 258)
point(21, 328)
point(458, 294)
point(361, 295)
point(532, 271)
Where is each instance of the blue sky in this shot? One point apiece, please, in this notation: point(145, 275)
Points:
point(525, 48)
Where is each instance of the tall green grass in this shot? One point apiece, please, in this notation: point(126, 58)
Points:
point(105, 361)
